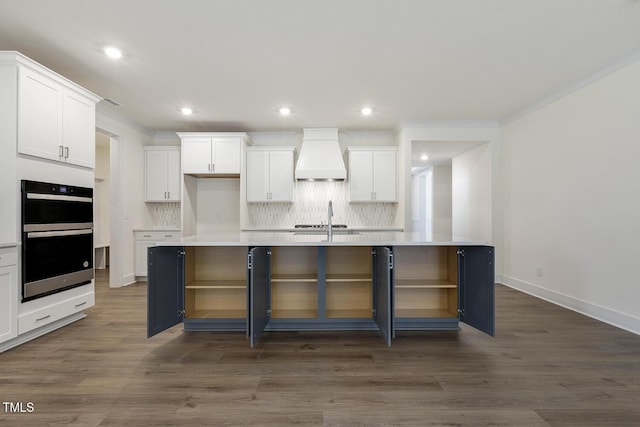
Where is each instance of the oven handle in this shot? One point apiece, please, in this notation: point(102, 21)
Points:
point(37, 196)
point(39, 234)
point(61, 226)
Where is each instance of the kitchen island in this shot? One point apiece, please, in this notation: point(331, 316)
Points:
point(269, 281)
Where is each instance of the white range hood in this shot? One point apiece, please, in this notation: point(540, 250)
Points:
point(320, 156)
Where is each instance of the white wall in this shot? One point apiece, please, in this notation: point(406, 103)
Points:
point(127, 195)
point(471, 189)
point(101, 196)
point(572, 200)
point(442, 202)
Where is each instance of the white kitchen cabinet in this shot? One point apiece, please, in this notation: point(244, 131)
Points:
point(56, 119)
point(8, 294)
point(162, 174)
point(270, 174)
point(143, 241)
point(212, 154)
point(372, 174)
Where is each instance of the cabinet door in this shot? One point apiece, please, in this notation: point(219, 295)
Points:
point(226, 155)
point(165, 294)
point(258, 293)
point(477, 288)
point(155, 176)
point(384, 176)
point(39, 116)
point(257, 176)
point(78, 129)
point(8, 303)
point(173, 176)
point(281, 176)
point(196, 155)
point(360, 176)
point(383, 292)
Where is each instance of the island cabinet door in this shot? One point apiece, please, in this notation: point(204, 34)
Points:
point(258, 293)
point(165, 289)
point(477, 307)
point(383, 292)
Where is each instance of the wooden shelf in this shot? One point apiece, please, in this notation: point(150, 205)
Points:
point(348, 278)
point(424, 313)
point(217, 314)
point(217, 284)
point(349, 314)
point(310, 278)
point(294, 314)
point(424, 284)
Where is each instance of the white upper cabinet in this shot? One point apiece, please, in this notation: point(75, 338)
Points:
point(211, 154)
point(162, 174)
point(372, 174)
point(270, 174)
point(56, 118)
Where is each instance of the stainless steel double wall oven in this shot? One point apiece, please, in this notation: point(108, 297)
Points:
point(57, 238)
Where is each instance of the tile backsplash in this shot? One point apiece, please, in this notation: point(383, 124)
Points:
point(310, 207)
point(165, 214)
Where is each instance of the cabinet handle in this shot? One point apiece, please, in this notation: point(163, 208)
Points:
point(66, 152)
point(43, 318)
point(168, 235)
point(213, 167)
point(146, 235)
point(209, 167)
point(168, 194)
point(81, 304)
point(61, 151)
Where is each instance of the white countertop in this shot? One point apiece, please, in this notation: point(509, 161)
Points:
point(284, 238)
point(9, 244)
point(157, 229)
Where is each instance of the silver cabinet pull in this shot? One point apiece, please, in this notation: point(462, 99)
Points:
point(43, 318)
point(81, 304)
point(60, 151)
point(66, 152)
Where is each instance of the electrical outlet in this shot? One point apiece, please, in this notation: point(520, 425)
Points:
point(539, 271)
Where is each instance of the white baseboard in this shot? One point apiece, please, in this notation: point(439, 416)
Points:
point(603, 314)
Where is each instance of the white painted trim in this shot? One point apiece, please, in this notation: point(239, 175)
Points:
point(35, 333)
point(598, 312)
point(462, 124)
point(128, 279)
point(577, 85)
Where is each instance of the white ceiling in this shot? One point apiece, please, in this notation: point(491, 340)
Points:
point(236, 62)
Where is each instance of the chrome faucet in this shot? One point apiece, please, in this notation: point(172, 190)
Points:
point(329, 224)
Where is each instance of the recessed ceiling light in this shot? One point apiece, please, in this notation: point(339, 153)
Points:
point(186, 111)
point(366, 111)
point(113, 52)
point(285, 111)
point(424, 157)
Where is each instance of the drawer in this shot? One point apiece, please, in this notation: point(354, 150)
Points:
point(154, 236)
point(37, 318)
point(8, 256)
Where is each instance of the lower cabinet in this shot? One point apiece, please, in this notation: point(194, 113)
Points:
point(8, 294)
point(143, 241)
point(320, 288)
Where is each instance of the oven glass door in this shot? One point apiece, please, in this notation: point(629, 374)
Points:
point(56, 211)
point(56, 260)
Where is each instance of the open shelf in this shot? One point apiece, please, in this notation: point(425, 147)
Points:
point(216, 283)
point(425, 284)
point(291, 299)
point(349, 282)
point(425, 313)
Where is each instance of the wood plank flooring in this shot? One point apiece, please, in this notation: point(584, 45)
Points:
point(547, 366)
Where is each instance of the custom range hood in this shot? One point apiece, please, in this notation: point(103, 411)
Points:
point(320, 157)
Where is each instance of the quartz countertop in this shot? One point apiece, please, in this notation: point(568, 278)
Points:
point(9, 244)
point(287, 238)
point(172, 229)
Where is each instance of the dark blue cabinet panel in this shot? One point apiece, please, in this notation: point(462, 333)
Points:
point(258, 293)
point(477, 288)
point(165, 295)
point(383, 292)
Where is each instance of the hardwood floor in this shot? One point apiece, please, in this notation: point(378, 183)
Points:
point(546, 366)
